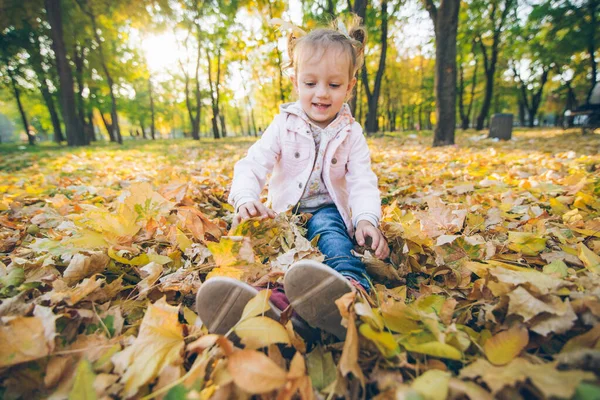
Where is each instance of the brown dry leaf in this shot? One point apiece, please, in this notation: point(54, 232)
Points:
point(23, 339)
point(349, 360)
point(150, 272)
point(161, 332)
point(254, 372)
point(83, 266)
point(545, 377)
point(588, 340)
point(526, 305)
point(72, 296)
point(503, 347)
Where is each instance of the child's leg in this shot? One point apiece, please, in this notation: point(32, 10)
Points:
point(336, 244)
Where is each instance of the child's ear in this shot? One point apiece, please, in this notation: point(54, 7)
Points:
point(350, 87)
point(295, 82)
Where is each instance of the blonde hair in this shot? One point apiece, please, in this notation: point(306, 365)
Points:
point(352, 43)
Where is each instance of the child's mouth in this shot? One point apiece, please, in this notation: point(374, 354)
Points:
point(321, 106)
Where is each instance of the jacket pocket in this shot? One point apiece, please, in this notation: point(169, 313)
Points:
point(295, 156)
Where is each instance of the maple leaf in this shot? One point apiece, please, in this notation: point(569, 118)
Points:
point(159, 344)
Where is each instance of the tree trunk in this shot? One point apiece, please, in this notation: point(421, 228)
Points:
point(143, 128)
point(222, 120)
point(58, 136)
point(113, 100)
point(445, 21)
point(152, 126)
point(109, 127)
point(372, 124)
point(490, 63)
point(78, 61)
point(214, 96)
point(30, 137)
point(72, 127)
point(536, 97)
point(591, 45)
point(91, 126)
point(521, 112)
point(37, 65)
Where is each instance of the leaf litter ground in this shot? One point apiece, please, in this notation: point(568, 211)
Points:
point(492, 289)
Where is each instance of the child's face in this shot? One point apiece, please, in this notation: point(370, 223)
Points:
point(323, 84)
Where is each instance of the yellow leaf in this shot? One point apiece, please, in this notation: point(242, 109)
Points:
point(260, 332)
point(384, 341)
point(590, 259)
point(432, 385)
point(232, 251)
point(526, 243)
point(85, 239)
point(503, 347)
point(259, 304)
point(182, 241)
point(558, 208)
point(436, 349)
point(231, 272)
point(142, 259)
point(398, 317)
point(254, 372)
point(158, 345)
point(83, 385)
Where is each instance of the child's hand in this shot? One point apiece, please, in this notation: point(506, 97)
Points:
point(252, 209)
point(366, 229)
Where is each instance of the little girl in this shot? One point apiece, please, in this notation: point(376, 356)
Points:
point(320, 164)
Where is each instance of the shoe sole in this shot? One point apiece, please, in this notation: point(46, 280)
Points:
point(313, 288)
point(220, 303)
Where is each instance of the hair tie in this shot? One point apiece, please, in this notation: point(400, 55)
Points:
point(342, 28)
point(287, 25)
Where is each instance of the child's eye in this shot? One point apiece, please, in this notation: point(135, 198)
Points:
point(334, 85)
point(309, 84)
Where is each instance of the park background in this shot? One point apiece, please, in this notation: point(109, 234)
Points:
point(160, 69)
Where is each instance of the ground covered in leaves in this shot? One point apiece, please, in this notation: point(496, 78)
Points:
point(492, 289)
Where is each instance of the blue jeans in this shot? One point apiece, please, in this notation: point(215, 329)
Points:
point(335, 244)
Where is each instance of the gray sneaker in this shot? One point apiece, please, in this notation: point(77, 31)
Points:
point(312, 288)
point(220, 302)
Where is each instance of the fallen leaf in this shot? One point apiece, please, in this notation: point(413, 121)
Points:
point(432, 385)
point(503, 347)
point(254, 372)
point(257, 332)
point(161, 332)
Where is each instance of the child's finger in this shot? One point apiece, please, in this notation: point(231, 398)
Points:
point(375, 239)
point(264, 211)
point(360, 238)
point(381, 249)
point(252, 211)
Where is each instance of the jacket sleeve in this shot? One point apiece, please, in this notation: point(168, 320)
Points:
point(363, 192)
point(250, 173)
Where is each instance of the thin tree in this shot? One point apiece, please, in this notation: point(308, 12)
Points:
point(73, 127)
point(113, 113)
point(445, 22)
point(372, 124)
point(490, 55)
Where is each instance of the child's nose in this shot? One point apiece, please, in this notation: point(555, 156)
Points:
point(322, 91)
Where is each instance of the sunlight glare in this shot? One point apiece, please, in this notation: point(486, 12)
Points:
point(162, 52)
